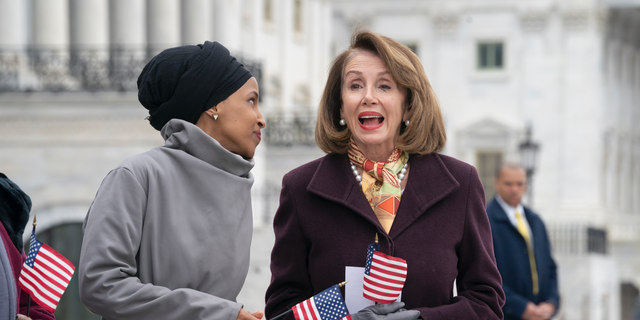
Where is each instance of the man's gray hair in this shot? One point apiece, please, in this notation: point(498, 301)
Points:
point(508, 165)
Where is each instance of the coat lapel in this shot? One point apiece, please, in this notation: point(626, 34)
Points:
point(334, 181)
point(495, 209)
point(429, 182)
point(500, 216)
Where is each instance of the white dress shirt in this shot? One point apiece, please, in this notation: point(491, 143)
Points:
point(511, 213)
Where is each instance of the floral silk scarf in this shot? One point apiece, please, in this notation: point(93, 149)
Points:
point(380, 184)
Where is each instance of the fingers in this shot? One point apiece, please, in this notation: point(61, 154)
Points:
point(245, 315)
point(404, 315)
point(386, 308)
point(22, 317)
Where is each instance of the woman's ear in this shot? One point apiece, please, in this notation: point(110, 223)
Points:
point(211, 111)
point(405, 114)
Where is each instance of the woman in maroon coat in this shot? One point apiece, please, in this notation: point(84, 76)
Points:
point(381, 125)
point(15, 206)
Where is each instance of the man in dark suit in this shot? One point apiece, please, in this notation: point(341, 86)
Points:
point(522, 249)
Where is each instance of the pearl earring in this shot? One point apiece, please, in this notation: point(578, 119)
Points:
point(214, 116)
point(406, 123)
point(342, 122)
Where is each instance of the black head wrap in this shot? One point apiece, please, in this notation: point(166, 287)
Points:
point(183, 82)
point(15, 206)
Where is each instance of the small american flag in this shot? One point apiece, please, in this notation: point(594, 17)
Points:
point(326, 305)
point(384, 276)
point(45, 274)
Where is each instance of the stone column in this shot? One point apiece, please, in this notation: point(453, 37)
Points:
point(228, 24)
point(127, 24)
point(251, 13)
point(89, 24)
point(127, 39)
point(163, 25)
point(636, 134)
point(284, 18)
point(50, 24)
point(13, 34)
point(319, 38)
point(13, 41)
point(50, 44)
point(197, 21)
point(89, 33)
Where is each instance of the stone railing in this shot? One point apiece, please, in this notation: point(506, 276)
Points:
point(577, 239)
point(288, 129)
point(625, 228)
point(114, 69)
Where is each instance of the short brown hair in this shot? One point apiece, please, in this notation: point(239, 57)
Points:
point(425, 133)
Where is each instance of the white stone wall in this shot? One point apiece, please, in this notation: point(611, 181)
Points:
point(59, 146)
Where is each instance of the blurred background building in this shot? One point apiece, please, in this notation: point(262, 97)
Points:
point(568, 71)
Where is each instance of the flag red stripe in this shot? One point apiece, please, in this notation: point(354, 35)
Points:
point(37, 295)
point(38, 272)
point(309, 306)
point(380, 254)
point(37, 281)
point(393, 296)
point(387, 274)
point(42, 304)
point(378, 299)
point(389, 265)
point(381, 278)
point(66, 263)
point(296, 314)
point(53, 266)
point(382, 285)
point(305, 310)
point(43, 264)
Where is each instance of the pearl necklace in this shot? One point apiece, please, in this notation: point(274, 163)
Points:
point(359, 177)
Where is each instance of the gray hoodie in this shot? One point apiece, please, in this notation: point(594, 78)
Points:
point(169, 232)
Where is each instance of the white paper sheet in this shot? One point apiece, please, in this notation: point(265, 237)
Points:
point(353, 289)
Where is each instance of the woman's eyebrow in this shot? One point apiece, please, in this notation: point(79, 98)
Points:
point(358, 73)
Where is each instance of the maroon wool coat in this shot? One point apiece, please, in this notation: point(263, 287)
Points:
point(325, 223)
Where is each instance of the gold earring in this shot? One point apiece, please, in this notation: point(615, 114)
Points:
point(214, 116)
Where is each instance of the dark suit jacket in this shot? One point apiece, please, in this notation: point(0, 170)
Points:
point(513, 261)
point(325, 223)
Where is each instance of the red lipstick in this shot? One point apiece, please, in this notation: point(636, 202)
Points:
point(370, 120)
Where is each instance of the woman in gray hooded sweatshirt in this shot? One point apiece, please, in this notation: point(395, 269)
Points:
point(169, 232)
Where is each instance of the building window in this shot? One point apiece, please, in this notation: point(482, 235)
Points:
point(268, 11)
point(67, 239)
point(488, 164)
point(297, 15)
point(490, 56)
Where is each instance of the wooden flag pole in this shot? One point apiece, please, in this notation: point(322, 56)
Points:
point(341, 284)
point(35, 222)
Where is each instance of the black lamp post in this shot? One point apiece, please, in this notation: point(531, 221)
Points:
point(528, 156)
